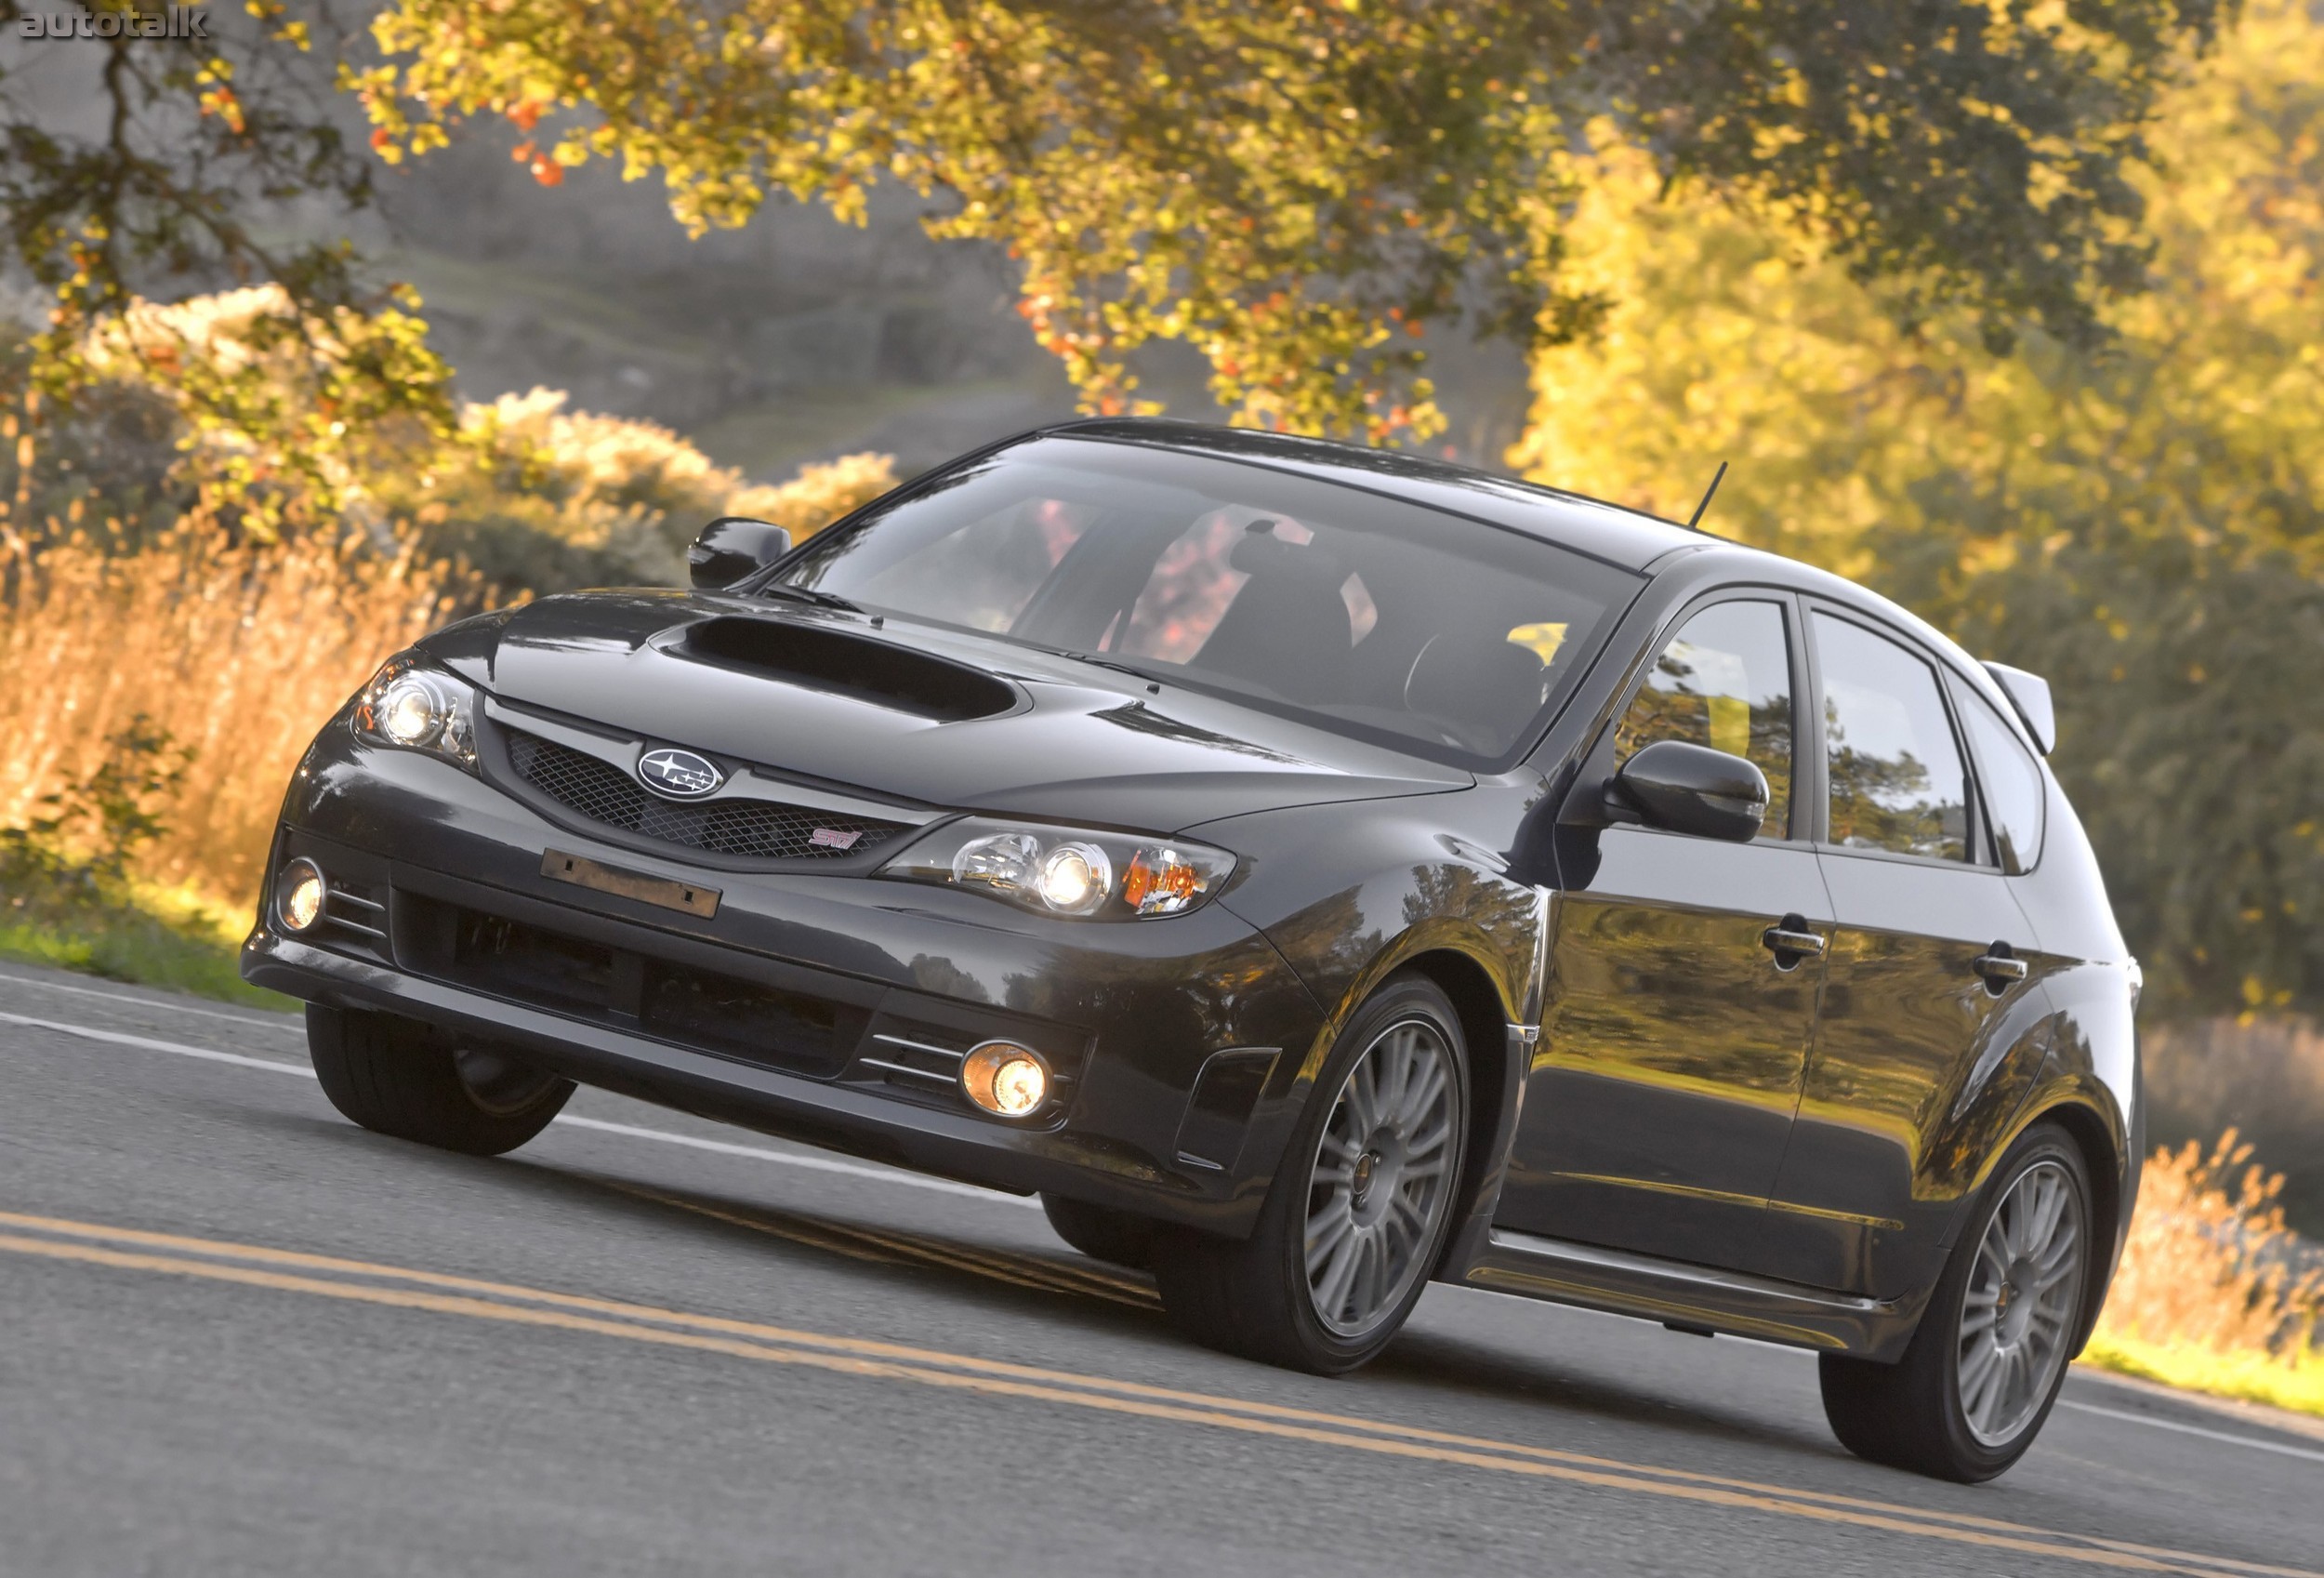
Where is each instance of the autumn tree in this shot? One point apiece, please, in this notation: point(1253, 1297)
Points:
point(2141, 520)
point(137, 166)
point(1301, 192)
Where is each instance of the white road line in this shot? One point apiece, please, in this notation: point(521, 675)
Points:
point(119, 1038)
point(628, 1130)
point(256, 1021)
point(813, 1163)
point(909, 1180)
point(2311, 1454)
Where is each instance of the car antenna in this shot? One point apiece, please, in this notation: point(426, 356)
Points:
point(1694, 522)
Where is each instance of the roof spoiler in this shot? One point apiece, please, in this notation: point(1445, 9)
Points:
point(2030, 695)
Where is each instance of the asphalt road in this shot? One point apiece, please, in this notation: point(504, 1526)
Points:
point(240, 1336)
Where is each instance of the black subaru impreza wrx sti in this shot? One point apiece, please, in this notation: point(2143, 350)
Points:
point(1314, 871)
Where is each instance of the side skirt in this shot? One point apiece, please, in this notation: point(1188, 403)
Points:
point(1694, 1297)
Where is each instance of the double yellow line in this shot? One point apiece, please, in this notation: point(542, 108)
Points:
point(398, 1287)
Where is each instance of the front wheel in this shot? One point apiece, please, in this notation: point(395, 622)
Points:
point(1979, 1377)
point(401, 1077)
point(1360, 1207)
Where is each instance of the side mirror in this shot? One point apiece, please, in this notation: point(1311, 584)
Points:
point(732, 548)
point(1692, 788)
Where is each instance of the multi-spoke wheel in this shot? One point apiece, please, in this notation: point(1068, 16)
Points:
point(1977, 1381)
point(403, 1078)
point(2025, 1286)
point(1361, 1204)
point(1382, 1178)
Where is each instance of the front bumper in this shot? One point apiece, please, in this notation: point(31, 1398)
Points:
point(814, 1006)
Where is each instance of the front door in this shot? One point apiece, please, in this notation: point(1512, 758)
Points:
point(1674, 1036)
point(1928, 1007)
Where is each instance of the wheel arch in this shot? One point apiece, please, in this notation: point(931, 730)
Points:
point(2110, 1179)
point(1498, 1065)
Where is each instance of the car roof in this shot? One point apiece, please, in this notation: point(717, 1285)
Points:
point(1630, 538)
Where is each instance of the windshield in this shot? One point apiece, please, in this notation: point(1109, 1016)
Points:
point(1365, 614)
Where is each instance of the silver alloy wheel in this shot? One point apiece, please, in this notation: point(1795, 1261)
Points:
point(1381, 1183)
point(498, 1083)
point(2018, 1313)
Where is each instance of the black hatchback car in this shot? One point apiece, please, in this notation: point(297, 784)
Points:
point(1313, 870)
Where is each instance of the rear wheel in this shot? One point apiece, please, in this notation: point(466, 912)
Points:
point(1115, 1237)
point(1980, 1376)
point(401, 1077)
point(1360, 1208)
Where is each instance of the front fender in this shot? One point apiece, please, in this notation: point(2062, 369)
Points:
point(1424, 898)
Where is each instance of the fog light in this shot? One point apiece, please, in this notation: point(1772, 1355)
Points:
point(1004, 1079)
point(298, 894)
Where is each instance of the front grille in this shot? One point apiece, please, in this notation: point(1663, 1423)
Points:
point(758, 829)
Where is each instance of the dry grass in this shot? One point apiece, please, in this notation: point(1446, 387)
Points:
point(240, 652)
point(2214, 1292)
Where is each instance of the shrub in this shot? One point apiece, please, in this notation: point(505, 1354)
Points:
point(548, 499)
point(238, 650)
point(2214, 1291)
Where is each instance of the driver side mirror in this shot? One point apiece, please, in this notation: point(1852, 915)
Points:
point(732, 548)
point(1692, 788)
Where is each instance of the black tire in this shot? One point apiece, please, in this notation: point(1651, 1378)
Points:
point(401, 1078)
point(1115, 1237)
point(1254, 1298)
point(1911, 1414)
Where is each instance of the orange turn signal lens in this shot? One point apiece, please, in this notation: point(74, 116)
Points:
point(1160, 881)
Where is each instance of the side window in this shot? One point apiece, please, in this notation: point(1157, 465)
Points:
point(1725, 682)
point(2013, 793)
point(1897, 782)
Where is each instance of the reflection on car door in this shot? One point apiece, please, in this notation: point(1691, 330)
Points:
point(1920, 1004)
point(1663, 1085)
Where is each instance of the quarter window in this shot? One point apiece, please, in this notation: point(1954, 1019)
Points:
point(1896, 777)
point(1725, 682)
point(2011, 780)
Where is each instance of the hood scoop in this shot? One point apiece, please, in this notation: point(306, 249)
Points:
point(844, 663)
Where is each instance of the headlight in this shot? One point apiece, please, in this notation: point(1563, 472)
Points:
point(1068, 871)
point(419, 709)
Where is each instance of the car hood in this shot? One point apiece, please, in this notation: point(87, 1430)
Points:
point(920, 712)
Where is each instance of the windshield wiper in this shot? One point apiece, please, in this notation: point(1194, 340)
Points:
point(1114, 663)
point(809, 596)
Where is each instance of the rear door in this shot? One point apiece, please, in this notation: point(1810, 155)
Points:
point(1926, 988)
point(1675, 1036)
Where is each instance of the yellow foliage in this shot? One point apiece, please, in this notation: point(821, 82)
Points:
point(538, 497)
point(819, 495)
point(241, 652)
point(1732, 340)
point(2212, 1290)
point(286, 416)
point(1298, 192)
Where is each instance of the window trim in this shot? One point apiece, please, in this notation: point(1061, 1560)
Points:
point(1977, 765)
point(1806, 770)
point(1982, 854)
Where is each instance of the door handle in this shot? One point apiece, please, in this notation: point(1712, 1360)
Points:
point(1998, 966)
point(1800, 944)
